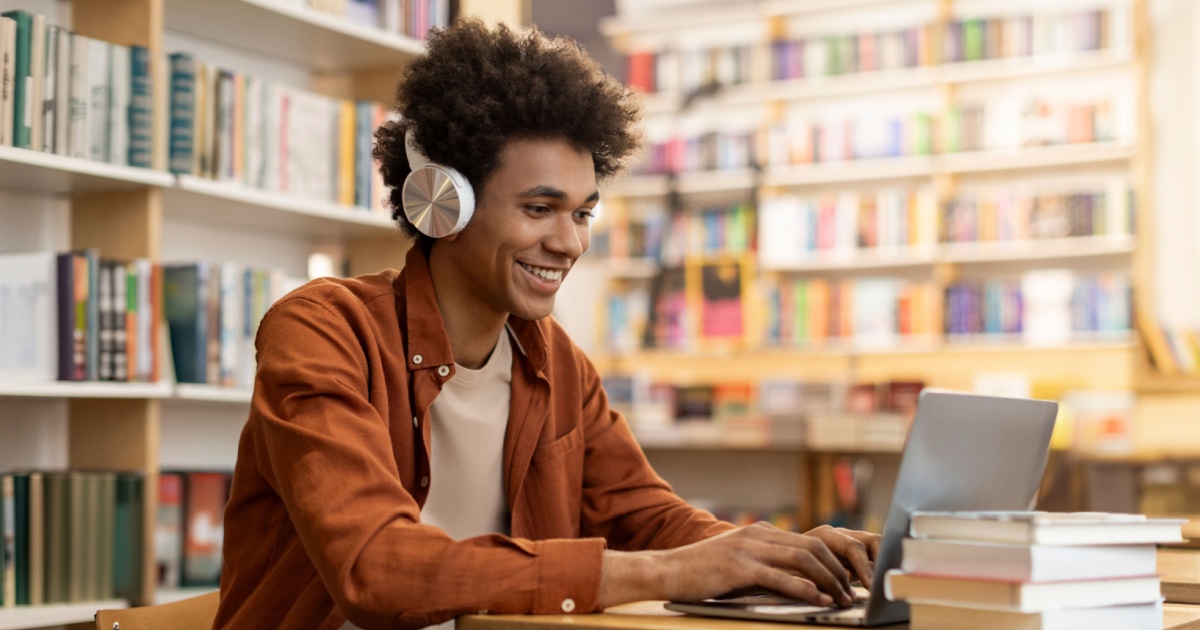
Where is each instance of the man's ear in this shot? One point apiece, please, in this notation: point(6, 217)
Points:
point(450, 237)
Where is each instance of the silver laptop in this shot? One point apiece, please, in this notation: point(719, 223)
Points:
point(964, 452)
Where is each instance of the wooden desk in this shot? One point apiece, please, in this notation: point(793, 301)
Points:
point(652, 616)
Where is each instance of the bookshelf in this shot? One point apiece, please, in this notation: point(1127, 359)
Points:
point(762, 32)
point(55, 615)
point(62, 203)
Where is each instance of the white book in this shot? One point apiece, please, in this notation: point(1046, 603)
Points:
point(275, 119)
point(29, 316)
point(1026, 563)
point(77, 133)
point(1020, 596)
point(8, 70)
point(846, 230)
point(1047, 528)
point(256, 123)
point(1148, 616)
point(119, 102)
point(311, 149)
point(62, 92)
point(231, 312)
point(99, 78)
point(37, 81)
point(145, 321)
point(49, 90)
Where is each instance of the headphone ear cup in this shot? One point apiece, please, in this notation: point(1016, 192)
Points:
point(438, 200)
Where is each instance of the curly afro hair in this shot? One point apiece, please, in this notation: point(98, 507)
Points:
point(477, 87)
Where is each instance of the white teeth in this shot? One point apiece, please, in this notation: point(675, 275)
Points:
point(549, 275)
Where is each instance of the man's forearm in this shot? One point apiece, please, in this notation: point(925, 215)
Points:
point(630, 577)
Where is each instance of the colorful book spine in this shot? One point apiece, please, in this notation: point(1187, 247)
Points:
point(181, 144)
point(140, 118)
point(22, 80)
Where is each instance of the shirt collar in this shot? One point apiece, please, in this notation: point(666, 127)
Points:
point(427, 336)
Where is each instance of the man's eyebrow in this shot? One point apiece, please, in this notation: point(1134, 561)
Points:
point(553, 193)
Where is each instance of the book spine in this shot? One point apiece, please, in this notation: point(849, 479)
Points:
point(183, 78)
point(99, 99)
point(120, 355)
point(141, 116)
point(50, 91)
point(62, 93)
point(130, 324)
point(37, 82)
point(104, 299)
point(22, 84)
point(8, 68)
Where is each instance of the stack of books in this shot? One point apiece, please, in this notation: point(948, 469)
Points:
point(987, 570)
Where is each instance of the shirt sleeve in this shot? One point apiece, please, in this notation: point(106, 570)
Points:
point(327, 451)
point(624, 500)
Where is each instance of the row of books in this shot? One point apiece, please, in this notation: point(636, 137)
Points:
point(228, 126)
point(804, 312)
point(793, 229)
point(1043, 305)
point(189, 531)
point(709, 232)
point(801, 140)
point(75, 316)
point(1013, 215)
point(70, 536)
point(213, 312)
point(72, 95)
point(1032, 570)
point(1040, 34)
point(648, 401)
point(716, 150)
point(851, 53)
point(412, 18)
point(1006, 123)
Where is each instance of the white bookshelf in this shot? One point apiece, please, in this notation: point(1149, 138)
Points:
point(236, 205)
point(1027, 67)
point(212, 393)
point(857, 84)
point(638, 186)
point(997, 160)
point(849, 171)
point(292, 32)
point(1035, 250)
point(716, 181)
point(85, 389)
point(858, 260)
point(55, 614)
point(35, 171)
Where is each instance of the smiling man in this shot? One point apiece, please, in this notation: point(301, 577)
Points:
point(428, 443)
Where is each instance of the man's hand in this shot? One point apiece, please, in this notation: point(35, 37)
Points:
point(807, 567)
point(857, 550)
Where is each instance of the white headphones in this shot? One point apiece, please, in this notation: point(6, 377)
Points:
point(437, 199)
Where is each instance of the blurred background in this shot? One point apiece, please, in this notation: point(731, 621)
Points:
point(839, 204)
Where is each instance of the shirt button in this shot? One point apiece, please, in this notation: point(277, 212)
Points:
point(425, 484)
point(443, 370)
point(415, 423)
point(568, 605)
point(417, 359)
point(483, 612)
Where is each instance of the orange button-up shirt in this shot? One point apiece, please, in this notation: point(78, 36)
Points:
point(324, 521)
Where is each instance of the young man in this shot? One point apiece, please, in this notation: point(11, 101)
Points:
point(429, 443)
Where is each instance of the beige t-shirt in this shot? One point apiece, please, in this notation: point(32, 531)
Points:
point(470, 416)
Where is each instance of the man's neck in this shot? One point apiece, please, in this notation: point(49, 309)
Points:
point(473, 327)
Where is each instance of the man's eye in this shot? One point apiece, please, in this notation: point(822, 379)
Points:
point(585, 214)
point(538, 209)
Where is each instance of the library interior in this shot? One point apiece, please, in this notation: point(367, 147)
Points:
point(838, 206)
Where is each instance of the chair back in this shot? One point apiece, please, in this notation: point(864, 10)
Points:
point(194, 613)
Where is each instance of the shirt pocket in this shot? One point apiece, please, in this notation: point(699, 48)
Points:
point(555, 486)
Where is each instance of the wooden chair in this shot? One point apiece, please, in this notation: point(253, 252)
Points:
point(194, 613)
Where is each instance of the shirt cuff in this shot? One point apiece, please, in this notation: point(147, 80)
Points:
point(569, 576)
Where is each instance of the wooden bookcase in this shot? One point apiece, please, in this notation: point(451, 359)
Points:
point(131, 213)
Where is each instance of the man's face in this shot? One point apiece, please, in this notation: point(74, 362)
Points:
point(530, 226)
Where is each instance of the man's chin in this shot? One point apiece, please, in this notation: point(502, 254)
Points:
point(531, 312)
